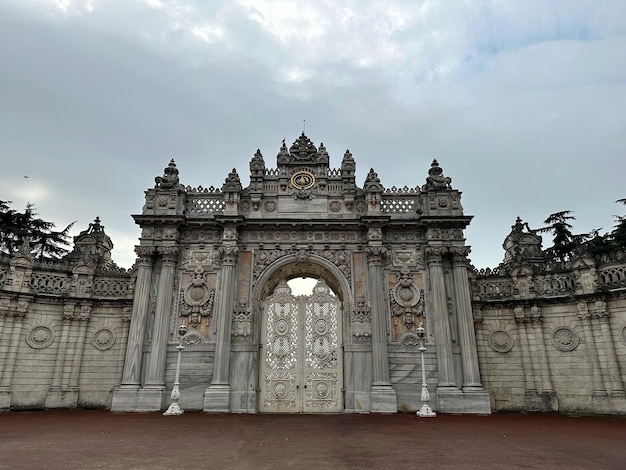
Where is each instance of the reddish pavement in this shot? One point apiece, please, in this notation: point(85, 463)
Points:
point(103, 440)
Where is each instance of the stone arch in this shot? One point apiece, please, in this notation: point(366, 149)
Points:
point(295, 388)
point(291, 266)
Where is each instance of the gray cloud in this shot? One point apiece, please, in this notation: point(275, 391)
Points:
point(521, 103)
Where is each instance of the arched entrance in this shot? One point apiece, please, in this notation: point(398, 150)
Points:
point(301, 367)
point(301, 337)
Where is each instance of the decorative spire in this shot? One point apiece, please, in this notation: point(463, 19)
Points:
point(303, 150)
point(322, 154)
point(283, 153)
point(372, 182)
point(257, 163)
point(232, 182)
point(348, 164)
point(436, 180)
point(169, 180)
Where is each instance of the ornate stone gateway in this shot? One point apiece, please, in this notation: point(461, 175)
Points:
point(217, 259)
point(301, 365)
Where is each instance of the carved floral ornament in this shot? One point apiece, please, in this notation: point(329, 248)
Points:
point(565, 339)
point(197, 299)
point(103, 339)
point(40, 337)
point(500, 341)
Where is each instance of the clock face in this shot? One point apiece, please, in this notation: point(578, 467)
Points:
point(303, 180)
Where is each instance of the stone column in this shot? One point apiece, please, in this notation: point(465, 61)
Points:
point(9, 367)
point(54, 397)
point(83, 320)
point(606, 349)
point(383, 396)
point(544, 371)
point(155, 378)
point(529, 377)
point(125, 396)
point(597, 385)
point(217, 395)
point(5, 303)
point(467, 335)
point(443, 339)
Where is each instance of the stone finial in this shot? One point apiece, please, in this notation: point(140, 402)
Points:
point(348, 164)
point(435, 179)
point(257, 163)
point(232, 182)
point(322, 154)
point(169, 180)
point(372, 182)
point(522, 246)
point(92, 246)
point(283, 153)
point(303, 150)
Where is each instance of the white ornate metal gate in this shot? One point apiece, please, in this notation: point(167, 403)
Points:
point(301, 358)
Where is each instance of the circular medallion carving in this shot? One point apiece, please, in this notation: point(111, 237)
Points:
point(303, 179)
point(334, 206)
point(282, 327)
point(270, 206)
point(501, 341)
point(40, 337)
point(321, 390)
point(197, 294)
point(407, 295)
point(103, 339)
point(321, 326)
point(280, 390)
point(565, 339)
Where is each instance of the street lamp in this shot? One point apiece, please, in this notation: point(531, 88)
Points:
point(425, 411)
point(174, 409)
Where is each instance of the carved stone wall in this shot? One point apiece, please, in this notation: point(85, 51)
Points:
point(552, 337)
point(63, 332)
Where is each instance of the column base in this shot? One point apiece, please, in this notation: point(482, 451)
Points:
point(5, 398)
point(217, 398)
point(453, 400)
point(59, 397)
point(545, 401)
point(383, 399)
point(133, 398)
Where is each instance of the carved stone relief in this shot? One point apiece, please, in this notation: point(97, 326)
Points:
point(407, 304)
point(40, 337)
point(103, 339)
point(565, 339)
point(361, 322)
point(500, 341)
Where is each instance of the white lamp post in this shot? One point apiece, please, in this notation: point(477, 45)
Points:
point(174, 409)
point(425, 411)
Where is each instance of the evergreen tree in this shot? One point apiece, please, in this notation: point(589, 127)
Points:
point(618, 235)
point(563, 240)
point(17, 227)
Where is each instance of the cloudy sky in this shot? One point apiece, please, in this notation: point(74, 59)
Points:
point(522, 102)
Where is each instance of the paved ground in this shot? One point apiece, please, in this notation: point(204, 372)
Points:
point(103, 440)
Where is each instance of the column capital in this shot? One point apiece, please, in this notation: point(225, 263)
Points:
point(535, 314)
point(460, 254)
point(169, 254)
point(583, 311)
point(144, 254)
point(520, 316)
point(227, 255)
point(599, 310)
point(376, 255)
point(434, 255)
